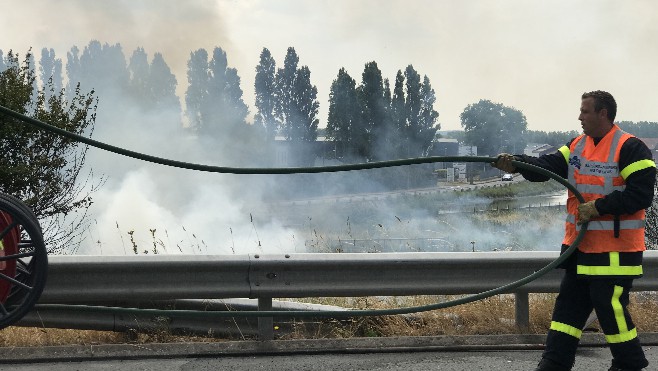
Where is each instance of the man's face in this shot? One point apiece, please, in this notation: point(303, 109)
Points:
point(592, 122)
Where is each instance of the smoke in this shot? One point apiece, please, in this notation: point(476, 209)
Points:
point(148, 208)
point(151, 208)
point(197, 216)
point(389, 222)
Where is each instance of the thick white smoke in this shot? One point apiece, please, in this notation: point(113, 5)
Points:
point(197, 216)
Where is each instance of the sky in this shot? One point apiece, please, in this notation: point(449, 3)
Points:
point(535, 56)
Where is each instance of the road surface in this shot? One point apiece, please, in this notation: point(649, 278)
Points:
point(490, 353)
point(589, 359)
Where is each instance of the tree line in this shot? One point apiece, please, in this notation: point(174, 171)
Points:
point(368, 120)
point(495, 128)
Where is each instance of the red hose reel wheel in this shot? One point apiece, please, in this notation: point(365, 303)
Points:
point(8, 247)
point(23, 260)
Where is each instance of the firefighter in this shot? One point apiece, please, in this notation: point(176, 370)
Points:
point(615, 173)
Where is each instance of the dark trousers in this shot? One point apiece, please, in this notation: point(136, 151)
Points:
point(575, 301)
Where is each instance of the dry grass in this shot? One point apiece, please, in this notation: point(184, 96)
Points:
point(30, 336)
point(494, 315)
point(491, 316)
point(34, 337)
point(643, 307)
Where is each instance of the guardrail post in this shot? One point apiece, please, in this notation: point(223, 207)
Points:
point(265, 324)
point(522, 311)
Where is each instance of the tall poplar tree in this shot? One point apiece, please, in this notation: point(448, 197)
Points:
point(427, 116)
point(214, 105)
point(139, 75)
point(162, 83)
point(389, 123)
point(375, 111)
point(412, 106)
point(266, 94)
point(399, 117)
point(303, 125)
point(50, 68)
point(103, 68)
point(297, 106)
point(237, 110)
point(344, 113)
point(73, 72)
point(285, 79)
point(197, 86)
point(223, 112)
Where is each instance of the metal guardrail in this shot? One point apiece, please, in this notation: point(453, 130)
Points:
point(110, 279)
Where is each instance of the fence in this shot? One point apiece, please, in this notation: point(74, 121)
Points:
point(129, 279)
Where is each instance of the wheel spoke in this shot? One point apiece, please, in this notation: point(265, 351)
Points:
point(17, 256)
point(7, 230)
point(14, 281)
point(25, 243)
point(21, 268)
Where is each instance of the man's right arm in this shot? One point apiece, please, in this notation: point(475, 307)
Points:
point(553, 162)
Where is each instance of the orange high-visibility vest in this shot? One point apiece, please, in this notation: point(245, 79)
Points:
point(594, 171)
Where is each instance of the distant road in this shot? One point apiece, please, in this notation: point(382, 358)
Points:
point(374, 196)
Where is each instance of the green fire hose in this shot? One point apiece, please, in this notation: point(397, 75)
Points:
point(297, 170)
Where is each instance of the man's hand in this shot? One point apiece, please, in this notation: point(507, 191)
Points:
point(586, 212)
point(504, 163)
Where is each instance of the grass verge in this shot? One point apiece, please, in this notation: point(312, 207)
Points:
point(491, 316)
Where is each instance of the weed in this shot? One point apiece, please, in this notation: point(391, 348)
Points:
point(131, 233)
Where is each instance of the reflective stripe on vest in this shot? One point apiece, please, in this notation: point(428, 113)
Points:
point(591, 188)
point(594, 172)
point(606, 225)
point(605, 170)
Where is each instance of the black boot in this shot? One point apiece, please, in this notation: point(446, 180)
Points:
point(613, 368)
point(548, 365)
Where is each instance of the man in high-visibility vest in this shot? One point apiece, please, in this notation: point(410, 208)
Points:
point(615, 173)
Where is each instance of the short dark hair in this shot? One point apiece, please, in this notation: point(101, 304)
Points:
point(603, 99)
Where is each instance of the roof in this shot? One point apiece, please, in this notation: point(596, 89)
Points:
point(537, 149)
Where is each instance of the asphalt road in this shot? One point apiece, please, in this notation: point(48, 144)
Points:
point(449, 353)
point(589, 359)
